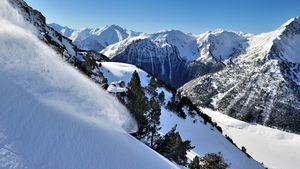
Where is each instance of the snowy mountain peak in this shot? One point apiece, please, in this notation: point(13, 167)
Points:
point(172, 32)
point(286, 42)
point(64, 30)
point(292, 21)
point(221, 44)
point(113, 27)
point(95, 39)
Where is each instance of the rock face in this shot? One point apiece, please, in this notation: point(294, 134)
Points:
point(85, 61)
point(162, 61)
point(261, 85)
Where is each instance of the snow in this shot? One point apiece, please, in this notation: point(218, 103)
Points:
point(53, 117)
point(115, 71)
point(275, 148)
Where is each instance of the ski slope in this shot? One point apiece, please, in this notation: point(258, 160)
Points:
point(275, 148)
point(51, 116)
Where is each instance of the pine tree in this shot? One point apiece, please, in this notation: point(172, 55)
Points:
point(153, 83)
point(138, 104)
point(172, 147)
point(154, 122)
point(195, 164)
point(213, 161)
point(161, 97)
point(152, 86)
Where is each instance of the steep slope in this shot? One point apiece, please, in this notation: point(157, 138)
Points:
point(95, 39)
point(205, 137)
point(54, 117)
point(261, 85)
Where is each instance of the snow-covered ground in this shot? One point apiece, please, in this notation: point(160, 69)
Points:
point(51, 116)
point(115, 71)
point(206, 139)
point(275, 148)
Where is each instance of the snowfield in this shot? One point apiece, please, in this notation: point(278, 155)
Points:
point(275, 148)
point(51, 116)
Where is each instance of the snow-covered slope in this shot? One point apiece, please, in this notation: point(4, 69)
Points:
point(54, 117)
point(276, 148)
point(115, 71)
point(205, 138)
point(95, 38)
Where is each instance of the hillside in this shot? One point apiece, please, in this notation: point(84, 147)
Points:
point(203, 135)
point(54, 117)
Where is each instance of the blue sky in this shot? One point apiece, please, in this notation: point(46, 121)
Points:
point(195, 16)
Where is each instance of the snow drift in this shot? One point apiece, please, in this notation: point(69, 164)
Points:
point(51, 116)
